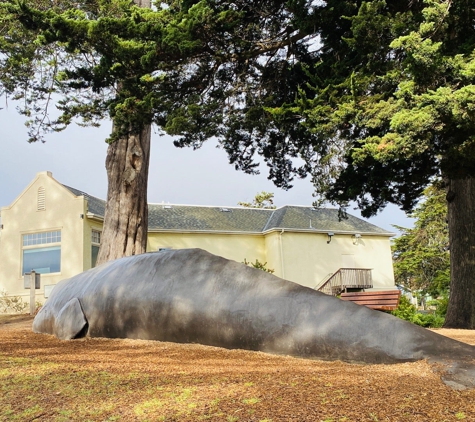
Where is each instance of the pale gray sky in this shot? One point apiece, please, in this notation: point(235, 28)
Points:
point(180, 176)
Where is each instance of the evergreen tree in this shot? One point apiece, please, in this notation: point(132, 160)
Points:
point(261, 200)
point(393, 108)
point(421, 254)
point(189, 67)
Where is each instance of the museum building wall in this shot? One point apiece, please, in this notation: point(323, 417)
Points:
point(39, 233)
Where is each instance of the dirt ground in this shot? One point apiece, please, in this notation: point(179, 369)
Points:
point(44, 379)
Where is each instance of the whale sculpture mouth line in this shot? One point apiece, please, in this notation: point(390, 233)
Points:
point(192, 296)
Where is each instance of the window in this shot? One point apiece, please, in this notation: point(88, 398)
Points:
point(96, 237)
point(95, 243)
point(42, 252)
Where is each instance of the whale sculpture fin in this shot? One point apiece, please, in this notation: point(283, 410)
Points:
point(70, 320)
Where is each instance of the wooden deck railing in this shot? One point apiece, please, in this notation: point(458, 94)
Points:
point(347, 278)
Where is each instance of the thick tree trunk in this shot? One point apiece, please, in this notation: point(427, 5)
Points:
point(461, 205)
point(126, 215)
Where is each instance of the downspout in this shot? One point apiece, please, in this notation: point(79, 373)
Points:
point(282, 254)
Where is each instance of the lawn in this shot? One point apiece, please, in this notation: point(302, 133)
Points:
point(44, 379)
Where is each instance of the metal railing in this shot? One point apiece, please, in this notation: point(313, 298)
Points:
point(347, 278)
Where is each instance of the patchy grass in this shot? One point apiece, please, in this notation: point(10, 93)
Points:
point(44, 379)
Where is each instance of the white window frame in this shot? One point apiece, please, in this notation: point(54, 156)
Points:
point(96, 236)
point(40, 240)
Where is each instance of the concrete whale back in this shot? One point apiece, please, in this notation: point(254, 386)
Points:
point(192, 296)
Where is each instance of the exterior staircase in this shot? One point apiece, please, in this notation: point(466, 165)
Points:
point(346, 279)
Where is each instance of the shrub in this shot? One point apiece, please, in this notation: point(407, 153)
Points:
point(11, 304)
point(405, 310)
point(408, 312)
point(259, 265)
point(428, 320)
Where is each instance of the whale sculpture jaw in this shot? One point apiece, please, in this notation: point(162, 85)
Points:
point(192, 296)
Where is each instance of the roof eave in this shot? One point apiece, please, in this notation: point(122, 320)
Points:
point(95, 217)
point(253, 233)
point(336, 232)
point(274, 229)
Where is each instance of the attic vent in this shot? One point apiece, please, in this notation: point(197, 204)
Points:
point(41, 203)
point(225, 210)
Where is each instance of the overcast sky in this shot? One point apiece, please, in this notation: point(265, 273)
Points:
point(180, 176)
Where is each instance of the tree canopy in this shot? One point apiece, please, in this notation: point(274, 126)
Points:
point(196, 69)
point(392, 99)
point(392, 103)
point(261, 200)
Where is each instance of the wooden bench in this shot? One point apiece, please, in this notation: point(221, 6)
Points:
point(383, 300)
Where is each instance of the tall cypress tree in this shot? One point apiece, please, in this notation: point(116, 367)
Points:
point(395, 89)
point(197, 69)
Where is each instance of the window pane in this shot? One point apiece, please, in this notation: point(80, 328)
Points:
point(96, 236)
point(42, 260)
point(94, 252)
point(41, 238)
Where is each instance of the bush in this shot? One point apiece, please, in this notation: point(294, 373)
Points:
point(428, 320)
point(405, 310)
point(11, 304)
point(440, 304)
point(408, 312)
point(259, 265)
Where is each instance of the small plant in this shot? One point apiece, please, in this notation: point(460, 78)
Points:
point(408, 312)
point(11, 304)
point(440, 304)
point(405, 310)
point(258, 265)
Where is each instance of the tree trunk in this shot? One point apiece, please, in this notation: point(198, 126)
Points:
point(461, 206)
point(126, 215)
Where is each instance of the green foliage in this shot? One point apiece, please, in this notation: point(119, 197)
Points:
point(405, 310)
point(196, 69)
point(408, 312)
point(11, 304)
point(421, 255)
point(261, 200)
point(259, 265)
point(441, 304)
point(428, 320)
point(392, 104)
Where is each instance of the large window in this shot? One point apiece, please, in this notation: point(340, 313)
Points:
point(42, 252)
point(95, 243)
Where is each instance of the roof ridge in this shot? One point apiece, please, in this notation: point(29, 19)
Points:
point(211, 206)
point(83, 193)
point(270, 217)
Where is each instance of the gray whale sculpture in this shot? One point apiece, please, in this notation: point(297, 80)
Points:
point(192, 296)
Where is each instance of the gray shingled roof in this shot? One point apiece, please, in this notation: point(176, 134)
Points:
point(184, 217)
point(321, 219)
point(94, 205)
point(250, 220)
